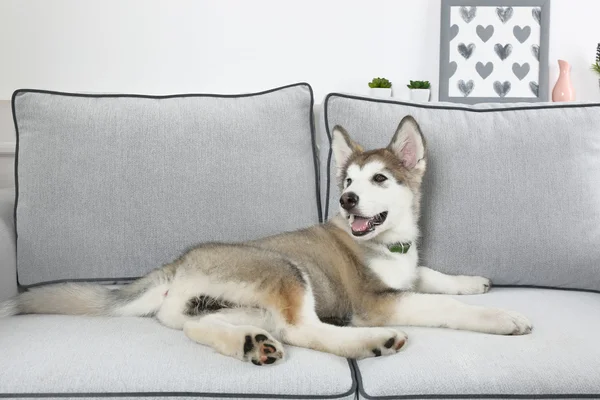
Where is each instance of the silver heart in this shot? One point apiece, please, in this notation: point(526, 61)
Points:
point(452, 69)
point(503, 51)
point(453, 31)
point(504, 13)
point(502, 89)
point(536, 12)
point(484, 70)
point(466, 88)
point(521, 33)
point(484, 33)
point(535, 50)
point(535, 88)
point(520, 71)
point(468, 14)
point(466, 51)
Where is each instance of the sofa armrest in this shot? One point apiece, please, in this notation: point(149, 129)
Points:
point(8, 248)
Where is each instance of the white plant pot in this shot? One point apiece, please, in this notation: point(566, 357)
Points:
point(420, 95)
point(380, 92)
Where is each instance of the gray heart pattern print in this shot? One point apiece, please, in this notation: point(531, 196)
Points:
point(495, 52)
point(468, 13)
point(521, 33)
point(504, 13)
point(466, 51)
point(503, 51)
point(520, 71)
point(484, 70)
point(453, 31)
point(466, 88)
point(536, 13)
point(502, 88)
point(535, 50)
point(535, 88)
point(484, 33)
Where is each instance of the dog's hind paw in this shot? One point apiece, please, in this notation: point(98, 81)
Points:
point(262, 349)
point(386, 342)
point(522, 326)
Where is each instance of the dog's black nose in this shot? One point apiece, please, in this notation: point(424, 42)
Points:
point(349, 200)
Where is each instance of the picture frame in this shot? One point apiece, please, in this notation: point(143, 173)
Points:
point(494, 51)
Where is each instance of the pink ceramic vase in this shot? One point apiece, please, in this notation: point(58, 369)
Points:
point(563, 90)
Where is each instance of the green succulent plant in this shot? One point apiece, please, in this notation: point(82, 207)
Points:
point(380, 83)
point(419, 85)
point(596, 66)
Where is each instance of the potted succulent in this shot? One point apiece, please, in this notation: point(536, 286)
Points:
point(419, 90)
point(380, 87)
point(596, 65)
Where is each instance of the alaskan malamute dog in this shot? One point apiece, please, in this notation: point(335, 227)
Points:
point(361, 266)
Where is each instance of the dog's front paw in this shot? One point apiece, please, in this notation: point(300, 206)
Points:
point(505, 322)
point(472, 284)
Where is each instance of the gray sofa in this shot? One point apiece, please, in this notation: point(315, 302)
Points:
point(110, 186)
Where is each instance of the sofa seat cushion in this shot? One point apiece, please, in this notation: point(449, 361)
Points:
point(559, 359)
point(54, 356)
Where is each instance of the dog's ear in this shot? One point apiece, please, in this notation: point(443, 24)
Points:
point(343, 147)
point(408, 144)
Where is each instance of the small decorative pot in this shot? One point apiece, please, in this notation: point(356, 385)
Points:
point(380, 92)
point(420, 95)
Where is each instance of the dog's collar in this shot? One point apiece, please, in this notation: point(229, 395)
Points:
point(401, 247)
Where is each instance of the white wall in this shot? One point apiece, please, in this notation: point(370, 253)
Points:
point(228, 46)
point(7, 139)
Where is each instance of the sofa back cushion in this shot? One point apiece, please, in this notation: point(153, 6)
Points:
point(511, 192)
point(111, 186)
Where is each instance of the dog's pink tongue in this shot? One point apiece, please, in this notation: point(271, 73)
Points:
point(360, 224)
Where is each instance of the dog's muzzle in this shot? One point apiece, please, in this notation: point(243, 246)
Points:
point(349, 200)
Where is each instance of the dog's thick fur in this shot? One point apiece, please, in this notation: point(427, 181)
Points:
point(242, 299)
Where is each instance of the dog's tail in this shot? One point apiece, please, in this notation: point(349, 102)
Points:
point(142, 297)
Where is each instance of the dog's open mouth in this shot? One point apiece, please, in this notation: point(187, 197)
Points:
point(362, 225)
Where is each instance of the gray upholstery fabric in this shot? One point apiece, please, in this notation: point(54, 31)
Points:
point(179, 396)
point(8, 267)
point(113, 186)
point(61, 355)
point(511, 192)
point(560, 357)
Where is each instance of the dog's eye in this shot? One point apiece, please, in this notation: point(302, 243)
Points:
point(379, 178)
point(348, 182)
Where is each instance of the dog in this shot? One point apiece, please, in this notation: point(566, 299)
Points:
point(361, 267)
